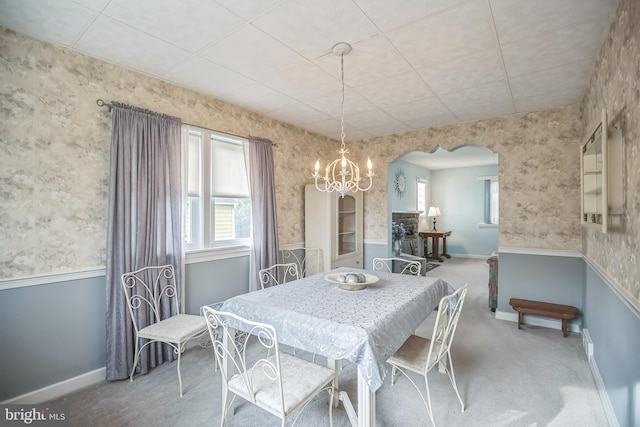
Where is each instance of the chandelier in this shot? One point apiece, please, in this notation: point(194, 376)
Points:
point(342, 175)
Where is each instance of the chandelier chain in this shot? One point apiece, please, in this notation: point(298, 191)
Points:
point(342, 134)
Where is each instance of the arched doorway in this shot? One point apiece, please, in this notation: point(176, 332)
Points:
point(456, 182)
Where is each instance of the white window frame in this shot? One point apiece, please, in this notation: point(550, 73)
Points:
point(206, 247)
point(422, 183)
point(491, 189)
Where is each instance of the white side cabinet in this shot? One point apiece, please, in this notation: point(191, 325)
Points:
point(602, 175)
point(334, 224)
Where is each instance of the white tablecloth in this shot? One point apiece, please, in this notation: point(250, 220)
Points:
point(364, 327)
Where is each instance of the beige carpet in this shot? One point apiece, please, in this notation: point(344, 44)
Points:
point(530, 377)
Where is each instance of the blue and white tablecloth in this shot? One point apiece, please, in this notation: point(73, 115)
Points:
point(364, 327)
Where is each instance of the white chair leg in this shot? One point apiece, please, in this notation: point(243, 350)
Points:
point(135, 361)
point(426, 383)
point(223, 414)
point(452, 378)
point(393, 374)
point(331, 393)
point(227, 399)
point(179, 376)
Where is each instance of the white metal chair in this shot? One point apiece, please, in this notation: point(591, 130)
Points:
point(154, 307)
point(280, 383)
point(278, 274)
point(419, 354)
point(386, 264)
point(239, 336)
point(309, 260)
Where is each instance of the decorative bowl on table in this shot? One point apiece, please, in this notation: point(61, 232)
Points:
point(351, 281)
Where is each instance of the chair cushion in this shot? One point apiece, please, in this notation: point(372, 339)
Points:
point(413, 354)
point(300, 380)
point(177, 329)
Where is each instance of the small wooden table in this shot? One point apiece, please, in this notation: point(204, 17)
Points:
point(435, 236)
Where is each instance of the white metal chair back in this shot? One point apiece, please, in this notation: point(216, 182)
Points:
point(154, 306)
point(239, 336)
point(386, 264)
point(445, 327)
point(278, 274)
point(420, 355)
point(151, 291)
point(309, 260)
point(256, 370)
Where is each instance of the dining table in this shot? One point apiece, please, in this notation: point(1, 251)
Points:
point(364, 326)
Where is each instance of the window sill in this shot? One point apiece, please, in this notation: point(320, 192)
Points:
point(485, 225)
point(214, 254)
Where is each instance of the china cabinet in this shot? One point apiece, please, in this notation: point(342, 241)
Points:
point(334, 224)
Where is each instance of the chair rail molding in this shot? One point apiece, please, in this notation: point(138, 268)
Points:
point(538, 251)
point(49, 278)
point(625, 296)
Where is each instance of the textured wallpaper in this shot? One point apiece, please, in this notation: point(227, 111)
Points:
point(539, 170)
point(615, 86)
point(54, 173)
point(55, 152)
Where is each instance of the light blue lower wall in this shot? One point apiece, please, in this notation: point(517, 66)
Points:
point(53, 332)
point(557, 279)
point(213, 281)
point(56, 331)
point(614, 329)
point(613, 324)
point(50, 333)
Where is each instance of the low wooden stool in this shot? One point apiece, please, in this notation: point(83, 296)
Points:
point(557, 311)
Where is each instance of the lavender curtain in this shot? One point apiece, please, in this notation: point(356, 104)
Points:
point(263, 203)
point(144, 224)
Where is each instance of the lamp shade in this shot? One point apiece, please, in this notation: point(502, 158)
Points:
point(434, 211)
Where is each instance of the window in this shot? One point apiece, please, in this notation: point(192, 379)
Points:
point(491, 201)
point(217, 206)
point(494, 209)
point(422, 197)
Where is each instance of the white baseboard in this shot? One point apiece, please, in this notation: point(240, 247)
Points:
point(544, 322)
point(602, 392)
point(57, 390)
point(587, 343)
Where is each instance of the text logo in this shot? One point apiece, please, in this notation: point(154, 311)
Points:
point(36, 415)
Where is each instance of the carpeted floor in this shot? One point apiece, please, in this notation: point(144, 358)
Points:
point(507, 377)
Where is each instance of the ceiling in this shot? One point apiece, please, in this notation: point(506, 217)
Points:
point(414, 64)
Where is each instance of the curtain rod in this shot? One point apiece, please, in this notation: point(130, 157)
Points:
point(101, 103)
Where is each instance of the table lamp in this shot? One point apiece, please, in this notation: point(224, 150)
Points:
point(434, 211)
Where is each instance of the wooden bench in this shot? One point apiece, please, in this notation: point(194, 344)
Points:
point(557, 311)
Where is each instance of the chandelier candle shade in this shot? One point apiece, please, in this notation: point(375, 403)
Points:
point(341, 175)
point(434, 211)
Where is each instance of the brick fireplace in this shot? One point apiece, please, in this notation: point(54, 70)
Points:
point(410, 219)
